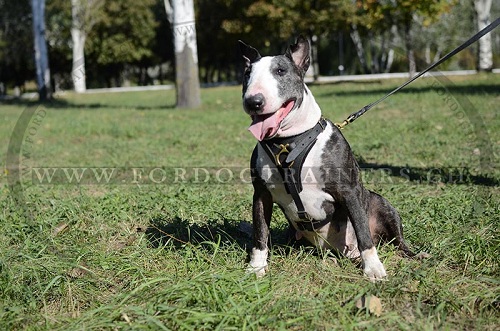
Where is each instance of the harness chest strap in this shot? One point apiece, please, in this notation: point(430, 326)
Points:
point(289, 154)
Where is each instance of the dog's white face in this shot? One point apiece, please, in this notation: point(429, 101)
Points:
point(273, 87)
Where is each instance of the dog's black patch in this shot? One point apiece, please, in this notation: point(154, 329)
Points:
point(287, 76)
point(247, 74)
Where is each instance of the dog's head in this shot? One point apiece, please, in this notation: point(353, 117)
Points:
point(273, 86)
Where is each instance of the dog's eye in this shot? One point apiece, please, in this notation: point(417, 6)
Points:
point(246, 75)
point(280, 71)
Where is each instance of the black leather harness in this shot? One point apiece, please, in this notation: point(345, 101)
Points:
point(288, 154)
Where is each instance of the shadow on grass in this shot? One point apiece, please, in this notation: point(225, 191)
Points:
point(429, 175)
point(57, 103)
point(479, 89)
point(179, 232)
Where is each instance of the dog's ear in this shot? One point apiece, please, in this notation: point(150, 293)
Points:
point(249, 53)
point(299, 53)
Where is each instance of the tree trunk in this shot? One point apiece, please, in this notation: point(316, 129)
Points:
point(314, 65)
point(187, 80)
point(373, 54)
point(382, 57)
point(427, 53)
point(78, 37)
point(40, 46)
point(393, 36)
point(356, 39)
point(390, 60)
point(341, 53)
point(485, 56)
point(312, 71)
point(412, 66)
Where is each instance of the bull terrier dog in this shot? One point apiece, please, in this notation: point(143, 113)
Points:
point(303, 163)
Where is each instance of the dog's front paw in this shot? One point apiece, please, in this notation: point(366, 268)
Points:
point(372, 267)
point(375, 271)
point(258, 262)
point(259, 271)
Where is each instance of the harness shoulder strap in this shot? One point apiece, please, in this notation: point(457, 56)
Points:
point(289, 154)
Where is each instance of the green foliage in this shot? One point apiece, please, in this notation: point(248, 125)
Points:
point(172, 256)
point(124, 33)
point(282, 19)
point(126, 38)
point(384, 14)
point(58, 34)
point(16, 40)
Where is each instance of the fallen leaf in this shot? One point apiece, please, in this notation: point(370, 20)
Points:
point(370, 302)
point(61, 227)
point(126, 318)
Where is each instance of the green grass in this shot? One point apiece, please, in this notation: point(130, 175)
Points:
point(172, 255)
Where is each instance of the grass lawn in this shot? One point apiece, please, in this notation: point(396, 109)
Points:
point(158, 248)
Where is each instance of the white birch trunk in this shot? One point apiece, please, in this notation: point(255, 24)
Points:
point(393, 35)
point(313, 70)
point(410, 54)
point(390, 60)
point(427, 53)
point(485, 60)
point(360, 51)
point(78, 36)
point(181, 13)
point(40, 47)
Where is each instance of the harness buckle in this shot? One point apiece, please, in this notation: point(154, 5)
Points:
point(284, 149)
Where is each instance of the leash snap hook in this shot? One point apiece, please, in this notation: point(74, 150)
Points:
point(342, 125)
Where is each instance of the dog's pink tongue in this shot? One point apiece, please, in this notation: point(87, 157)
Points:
point(264, 126)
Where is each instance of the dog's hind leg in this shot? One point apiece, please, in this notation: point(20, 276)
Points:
point(385, 224)
point(372, 266)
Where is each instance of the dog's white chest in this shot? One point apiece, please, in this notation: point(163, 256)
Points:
point(312, 195)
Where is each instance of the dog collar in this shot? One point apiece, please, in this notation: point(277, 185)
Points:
point(288, 154)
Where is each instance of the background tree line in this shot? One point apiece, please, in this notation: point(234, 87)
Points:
point(130, 42)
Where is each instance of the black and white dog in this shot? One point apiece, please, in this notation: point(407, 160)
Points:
point(304, 164)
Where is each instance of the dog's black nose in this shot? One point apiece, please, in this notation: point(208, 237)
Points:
point(255, 102)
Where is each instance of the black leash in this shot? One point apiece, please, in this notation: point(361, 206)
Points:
point(469, 42)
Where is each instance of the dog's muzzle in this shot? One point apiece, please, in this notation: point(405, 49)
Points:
point(255, 103)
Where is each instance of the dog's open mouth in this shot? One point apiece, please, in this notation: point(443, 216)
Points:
point(266, 125)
